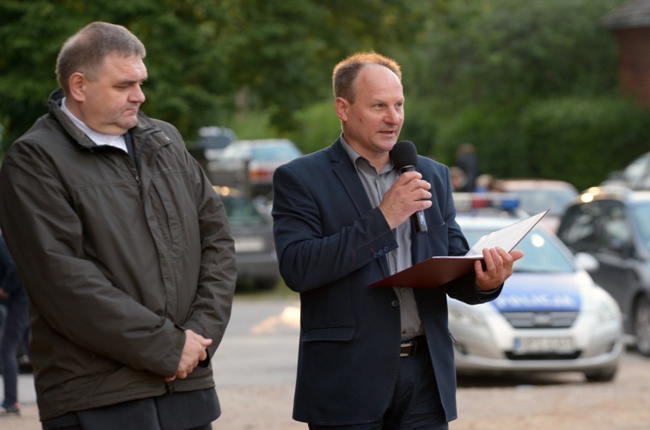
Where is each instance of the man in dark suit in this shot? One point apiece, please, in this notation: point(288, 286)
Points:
point(372, 358)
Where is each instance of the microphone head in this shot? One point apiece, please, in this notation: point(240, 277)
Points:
point(404, 154)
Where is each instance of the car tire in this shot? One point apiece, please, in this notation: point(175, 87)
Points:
point(642, 325)
point(602, 375)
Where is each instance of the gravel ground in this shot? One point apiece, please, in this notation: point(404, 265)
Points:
point(559, 402)
point(535, 403)
point(255, 370)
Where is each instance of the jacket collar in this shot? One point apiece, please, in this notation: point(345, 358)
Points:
point(345, 170)
point(144, 127)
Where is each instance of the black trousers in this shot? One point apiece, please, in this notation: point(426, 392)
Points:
point(415, 405)
point(194, 410)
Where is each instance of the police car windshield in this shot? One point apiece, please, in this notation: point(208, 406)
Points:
point(541, 252)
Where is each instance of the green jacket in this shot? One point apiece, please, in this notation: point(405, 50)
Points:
point(117, 261)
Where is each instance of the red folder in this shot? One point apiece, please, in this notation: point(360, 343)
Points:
point(436, 271)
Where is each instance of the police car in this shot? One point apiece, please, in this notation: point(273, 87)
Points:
point(550, 316)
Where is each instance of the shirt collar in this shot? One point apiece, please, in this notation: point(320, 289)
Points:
point(99, 138)
point(357, 158)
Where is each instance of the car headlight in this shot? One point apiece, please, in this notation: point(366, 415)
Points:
point(602, 306)
point(606, 312)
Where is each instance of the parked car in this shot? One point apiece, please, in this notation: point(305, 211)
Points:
point(210, 144)
point(248, 165)
point(613, 225)
point(214, 138)
point(550, 316)
point(257, 265)
point(537, 195)
point(635, 175)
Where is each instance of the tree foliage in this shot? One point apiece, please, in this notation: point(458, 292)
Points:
point(501, 73)
point(580, 139)
point(208, 61)
point(184, 72)
point(495, 73)
point(507, 51)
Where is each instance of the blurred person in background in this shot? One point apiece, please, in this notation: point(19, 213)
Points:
point(372, 358)
point(123, 247)
point(467, 161)
point(458, 178)
point(13, 296)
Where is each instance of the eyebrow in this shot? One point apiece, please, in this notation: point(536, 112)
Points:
point(131, 81)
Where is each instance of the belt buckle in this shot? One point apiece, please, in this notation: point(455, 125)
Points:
point(408, 348)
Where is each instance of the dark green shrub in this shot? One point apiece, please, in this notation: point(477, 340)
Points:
point(581, 140)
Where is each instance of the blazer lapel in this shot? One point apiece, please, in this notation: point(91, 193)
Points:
point(345, 171)
point(347, 174)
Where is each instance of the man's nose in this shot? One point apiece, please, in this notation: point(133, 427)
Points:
point(394, 116)
point(137, 95)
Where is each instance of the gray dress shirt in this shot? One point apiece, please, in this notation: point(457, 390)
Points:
point(376, 184)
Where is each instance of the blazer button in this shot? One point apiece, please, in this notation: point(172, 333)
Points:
point(386, 249)
point(380, 252)
point(394, 303)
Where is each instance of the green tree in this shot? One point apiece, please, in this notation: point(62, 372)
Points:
point(184, 71)
point(581, 139)
point(488, 70)
point(209, 62)
point(507, 51)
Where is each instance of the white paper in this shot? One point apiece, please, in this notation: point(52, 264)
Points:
point(506, 238)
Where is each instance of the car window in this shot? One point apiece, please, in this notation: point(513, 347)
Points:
point(636, 170)
point(641, 217)
point(242, 212)
point(542, 252)
point(579, 225)
point(616, 234)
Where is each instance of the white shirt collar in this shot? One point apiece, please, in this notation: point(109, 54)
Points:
point(99, 138)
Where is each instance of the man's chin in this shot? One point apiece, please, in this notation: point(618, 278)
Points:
point(389, 141)
point(129, 123)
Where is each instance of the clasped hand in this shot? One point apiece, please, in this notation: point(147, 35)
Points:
point(194, 351)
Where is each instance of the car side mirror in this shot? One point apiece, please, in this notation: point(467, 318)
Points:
point(587, 261)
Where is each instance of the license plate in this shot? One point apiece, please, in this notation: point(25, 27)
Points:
point(249, 244)
point(532, 345)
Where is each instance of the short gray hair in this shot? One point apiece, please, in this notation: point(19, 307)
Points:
point(86, 50)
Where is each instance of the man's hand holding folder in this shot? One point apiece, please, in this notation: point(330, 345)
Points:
point(495, 267)
point(491, 258)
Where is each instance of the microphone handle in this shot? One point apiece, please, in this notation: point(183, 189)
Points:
point(418, 219)
point(419, 222)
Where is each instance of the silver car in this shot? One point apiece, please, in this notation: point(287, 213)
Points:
point(248, 165)
point(550, 316)
point(252, 230)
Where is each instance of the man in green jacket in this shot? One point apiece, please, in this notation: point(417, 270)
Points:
point(123, 248)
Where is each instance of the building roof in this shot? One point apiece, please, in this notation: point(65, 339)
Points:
point(633, 14)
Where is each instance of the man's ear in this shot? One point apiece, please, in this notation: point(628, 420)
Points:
point(341, 106)
point(77, 84)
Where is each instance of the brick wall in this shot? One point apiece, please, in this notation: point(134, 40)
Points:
point(634, 62)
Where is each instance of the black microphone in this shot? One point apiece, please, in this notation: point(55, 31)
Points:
point(405, 158)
